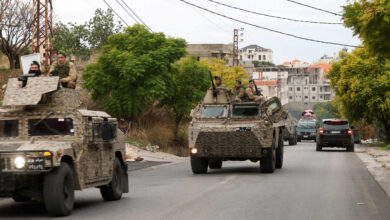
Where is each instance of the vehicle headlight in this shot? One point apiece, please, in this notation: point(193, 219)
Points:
point(19, 162)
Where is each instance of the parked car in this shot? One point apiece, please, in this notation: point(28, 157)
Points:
point(335, 133)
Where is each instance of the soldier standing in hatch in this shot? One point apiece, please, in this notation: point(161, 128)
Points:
point(250, 92)
point(65, 70)
point(238, 91)
point(218, 82)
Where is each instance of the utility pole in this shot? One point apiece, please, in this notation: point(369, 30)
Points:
point(42, 30)
point(235, 45)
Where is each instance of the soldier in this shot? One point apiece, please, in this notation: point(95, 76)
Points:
point(34, 71)
point(65, 70)
point(218, 82)
point(250, 92)
point(238, 91)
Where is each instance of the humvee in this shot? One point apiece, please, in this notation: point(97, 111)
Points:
point(224, 130)
point(50, 146)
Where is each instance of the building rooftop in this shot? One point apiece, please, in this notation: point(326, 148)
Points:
point(256, 47)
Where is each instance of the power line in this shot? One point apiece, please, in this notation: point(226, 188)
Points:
point(137, 16)
point(319, 9)
point(127, 11)
point(269, 29)
point(272, 16)
point(115, 12)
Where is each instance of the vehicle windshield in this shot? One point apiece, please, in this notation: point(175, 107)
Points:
point(214, 111)
point(307, 124)
point(9, 128)
point(335, 125)
point(245, 111)
point(50, 126)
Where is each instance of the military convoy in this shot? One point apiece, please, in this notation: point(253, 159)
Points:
point(51, 146)
point(222, 129)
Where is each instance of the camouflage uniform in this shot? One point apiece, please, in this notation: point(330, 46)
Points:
point(250, 94)
point(67, 73)
point(239, 93)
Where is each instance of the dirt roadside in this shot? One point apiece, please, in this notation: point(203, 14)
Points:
point(378, 164)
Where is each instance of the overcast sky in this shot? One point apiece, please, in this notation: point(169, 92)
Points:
point(177, 19)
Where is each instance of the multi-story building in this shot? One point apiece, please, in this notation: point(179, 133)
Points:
point(255, 53)
point(303, 87)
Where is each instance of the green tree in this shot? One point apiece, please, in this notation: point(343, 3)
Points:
point(71, 38)
point(229, 74)
point(325, 110)
point(362, 85)
point(262, 63)
point(81, 40)
point(188, 84)
point(132, 71)
point(100, 27)
point(370, 20)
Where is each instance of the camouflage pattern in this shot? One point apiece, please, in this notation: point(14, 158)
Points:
point(234, 138)
point(92, 158)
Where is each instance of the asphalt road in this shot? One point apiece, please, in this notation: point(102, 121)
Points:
point(312, 185)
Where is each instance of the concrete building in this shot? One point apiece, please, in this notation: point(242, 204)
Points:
point(300, 89)
point(255, 52)
point(205, 51)
point(273, 83)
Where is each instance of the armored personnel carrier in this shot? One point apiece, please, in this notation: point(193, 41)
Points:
point(51, 146)
point(224, 130)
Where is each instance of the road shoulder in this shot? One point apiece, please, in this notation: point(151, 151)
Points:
point(377, 163)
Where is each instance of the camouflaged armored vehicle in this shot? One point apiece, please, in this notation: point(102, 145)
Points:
point(50, 147)
point(224, 130)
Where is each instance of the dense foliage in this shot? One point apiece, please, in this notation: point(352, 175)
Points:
point(133, 70)
point(370, 20)
point(81, 39)
point(229, 74)
point(262, 63)
point(323, 110)
point(189, 81)
point(362, 85)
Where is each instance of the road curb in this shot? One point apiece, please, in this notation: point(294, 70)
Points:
point(380, 174)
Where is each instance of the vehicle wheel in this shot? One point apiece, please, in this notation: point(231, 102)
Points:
point(351, 148)
point(215, 164)
point(298, 139)
point(267, 164)
point(114, 190)
point(279, 154)
point(58, 190)
point(19, 198)
point(199, 165)
point(318, 147)
point(291, 141)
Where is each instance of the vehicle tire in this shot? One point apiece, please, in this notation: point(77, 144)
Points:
point(215, 164)
point(291, 141)
point(351, 148)
point(58, 190)
point(114, 190)
point(267, 164)
point(318, 147)
point(19, 198)
point(279, 154)
point(199, 165)
point(298, 139)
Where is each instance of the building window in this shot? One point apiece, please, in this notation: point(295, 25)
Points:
point(240, 57)
point(298, 89)
point(249, 51)
point(291, 97)
point(259, 57)
point(306, 97)
point(249, 57)
point(321, 97)
point(313, 89)
point(291, 89)
point(264, 57)
point(313, 97)
point(305, 88)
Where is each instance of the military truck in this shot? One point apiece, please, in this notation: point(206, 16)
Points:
point(289, 130)
point(223, 130)
point(51, 146)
